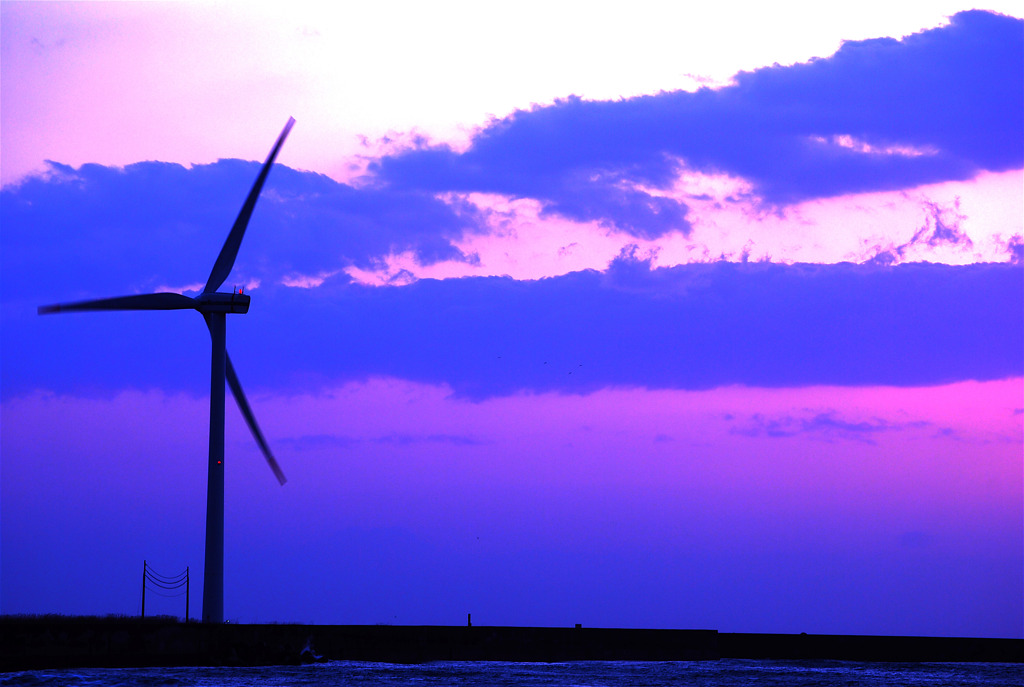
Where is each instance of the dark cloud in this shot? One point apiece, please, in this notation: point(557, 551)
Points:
point(98, 231)
point(688, 327)
point(877, 115)
point(163, 223)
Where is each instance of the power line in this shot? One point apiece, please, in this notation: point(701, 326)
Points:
point(155, 582)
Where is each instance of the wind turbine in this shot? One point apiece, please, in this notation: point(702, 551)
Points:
point(214, 306)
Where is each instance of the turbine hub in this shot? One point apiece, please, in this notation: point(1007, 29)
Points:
point(222, 302)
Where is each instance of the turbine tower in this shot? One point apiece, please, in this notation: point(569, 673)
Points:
point(214, 306)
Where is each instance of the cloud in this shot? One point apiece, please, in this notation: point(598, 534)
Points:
point(878, 115)
point(1015, 249)
point(329, 441)
point(410, 439)
point(693, 326)
point(316, 442)
point(109, 225)
point(826, 425)
point(942, 225)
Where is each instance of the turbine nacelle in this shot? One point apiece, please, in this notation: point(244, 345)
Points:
point(222, 302)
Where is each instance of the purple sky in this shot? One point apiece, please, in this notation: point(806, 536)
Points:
point(735, 344)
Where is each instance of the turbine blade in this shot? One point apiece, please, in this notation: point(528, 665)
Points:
point(148, 301)
point(226, 259)
point(250, 419)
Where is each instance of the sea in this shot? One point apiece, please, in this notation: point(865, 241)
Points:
point(720, 673)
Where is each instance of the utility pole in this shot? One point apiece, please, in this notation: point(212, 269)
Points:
point(143, 587)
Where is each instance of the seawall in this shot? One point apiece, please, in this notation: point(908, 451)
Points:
point(37, 643)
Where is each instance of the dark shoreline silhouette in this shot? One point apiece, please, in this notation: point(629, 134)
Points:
point(47, 642)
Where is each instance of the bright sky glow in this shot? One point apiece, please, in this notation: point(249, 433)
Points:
point(855, 228)
point(206, 77)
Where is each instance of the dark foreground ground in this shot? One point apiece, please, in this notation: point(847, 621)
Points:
point(30, 643)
